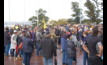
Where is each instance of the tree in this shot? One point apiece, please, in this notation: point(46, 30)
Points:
point(62, 21)
point(92, 12)
point(77, 11)
point(98, 9)
point(70, 20)
point(102, 4)
point(33, 19)
point(59, 22)
point(86, 21)
point(41, 14)
point(52, 22)
point(37, 20)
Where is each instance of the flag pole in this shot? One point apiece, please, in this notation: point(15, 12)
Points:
point(80, 12)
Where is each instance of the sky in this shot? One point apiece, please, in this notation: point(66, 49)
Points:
point(22, 10)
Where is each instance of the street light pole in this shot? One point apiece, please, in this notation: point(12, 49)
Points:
point(37, 17)
point(9, 10)
point(24, 12)
point(80, 11)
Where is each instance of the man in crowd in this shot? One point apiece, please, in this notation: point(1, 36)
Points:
point(38, 39)
point(48, 49)
point(7, 41)
point(90, 47)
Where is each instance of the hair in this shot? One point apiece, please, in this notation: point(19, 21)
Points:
point(28, 35)
point(95, 31)
point(86, 33)
point(69, 36)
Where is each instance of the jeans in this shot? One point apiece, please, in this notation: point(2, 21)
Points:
point(27, 57)
point(34, 42)
point(85, 58)
point(38, 49)
point(20, 52)
point(22, 55)
point(64, 56)
point(7, 47)
point(47, 61)
point(69, 61)
point(13, 52)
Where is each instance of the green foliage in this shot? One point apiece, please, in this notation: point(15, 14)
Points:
point(70, 20)
point(40, 15)
point(77, 12)
point(86, 21)
point(59, 22)
point(52, 22)
point(93, 11)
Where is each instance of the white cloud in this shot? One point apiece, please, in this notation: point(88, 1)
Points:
point(56, 9)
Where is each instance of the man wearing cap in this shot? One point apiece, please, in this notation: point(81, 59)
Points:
point(13, 43)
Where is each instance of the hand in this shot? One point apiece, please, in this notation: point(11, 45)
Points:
point(98, 55)
point(88, 53)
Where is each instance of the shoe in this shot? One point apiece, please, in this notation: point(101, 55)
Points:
point(16, 58)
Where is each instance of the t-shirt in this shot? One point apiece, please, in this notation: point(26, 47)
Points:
point(91, 43)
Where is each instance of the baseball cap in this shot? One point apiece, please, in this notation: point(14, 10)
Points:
point(15, 31)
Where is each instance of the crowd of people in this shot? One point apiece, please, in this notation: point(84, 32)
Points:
point(21, 42)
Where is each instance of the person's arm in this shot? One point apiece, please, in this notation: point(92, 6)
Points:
point(41, 35)
point(54, 48)
point(55, 35)
point(84, 46)
point(41, 44)
point(100, 46)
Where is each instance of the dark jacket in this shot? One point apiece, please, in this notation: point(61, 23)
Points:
point(57, 32)
point(11, 31)
point(71, 48)
point(19, 40)
point(32, 36)
point(27, 45)
point(6, 38)
point(48, 47)
point(80, 35)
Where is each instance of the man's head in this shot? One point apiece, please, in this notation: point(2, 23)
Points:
point(23, 33)
point(70, 36)
point(47, 34)
point(95, 31)
point(85, 34)
point(15, 31)
point(100, 28)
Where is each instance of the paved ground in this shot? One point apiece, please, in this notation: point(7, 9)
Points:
point(38, 60)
